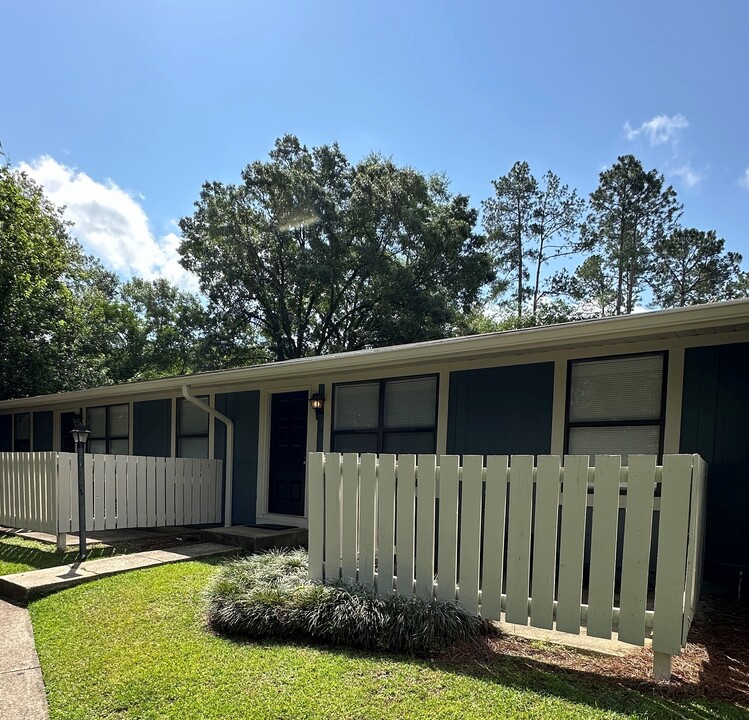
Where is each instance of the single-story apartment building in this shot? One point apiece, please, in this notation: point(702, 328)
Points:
point(672, 381)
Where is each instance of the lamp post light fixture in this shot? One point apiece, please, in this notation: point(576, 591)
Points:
point(80, 435)
point(317, 403)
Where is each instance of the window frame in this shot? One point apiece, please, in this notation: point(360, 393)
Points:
point(380, 430)
point(30, 438)
point(108, 437)
point(178, 435)
point(660, 422)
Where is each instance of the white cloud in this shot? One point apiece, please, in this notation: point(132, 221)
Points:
point(110, 224)
point(744, 179)
point(689, 176)
point(661, 129)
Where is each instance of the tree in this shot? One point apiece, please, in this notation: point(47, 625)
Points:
point(528, 224)
point(42, 323)
point(690, 267)
point(630, 212)
point(591, 287)
point(320, 256)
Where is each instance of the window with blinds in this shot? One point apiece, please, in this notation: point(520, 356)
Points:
point(386, 416)
point(616, 405)
point(110, 429)
point(192, 429)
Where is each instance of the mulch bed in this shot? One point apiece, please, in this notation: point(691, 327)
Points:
point(715, 663)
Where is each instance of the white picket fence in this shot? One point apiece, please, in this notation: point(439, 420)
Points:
point(506, 538)
point(39, 491)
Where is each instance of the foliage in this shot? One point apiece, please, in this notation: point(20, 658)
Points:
point(270, 595)
point(43, 328)
point(630, 212)
point(690, 266)
point(323, 256)
point(528, 224)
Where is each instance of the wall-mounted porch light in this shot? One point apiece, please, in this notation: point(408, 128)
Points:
point(80, 435)
point(317, 403)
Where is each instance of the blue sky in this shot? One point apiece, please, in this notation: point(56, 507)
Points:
point(123, 109)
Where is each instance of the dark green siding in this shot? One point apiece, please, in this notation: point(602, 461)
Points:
point(503, 410)
point(152, 428)
point(43, 430)
point(243, 409)
point(715, 424)
point(6, 433)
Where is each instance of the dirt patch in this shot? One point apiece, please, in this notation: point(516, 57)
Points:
point(715, 663)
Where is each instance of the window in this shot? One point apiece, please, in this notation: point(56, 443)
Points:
point(616, 405)
point(192, 429)
point(386, 416)
point(110, 429)
point(22, 432)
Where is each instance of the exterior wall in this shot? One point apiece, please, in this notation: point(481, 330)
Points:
point(715, 424)
point(243, 409)
point(6, 433)
point(501, 411)
point(152, 428)
point(43, 430)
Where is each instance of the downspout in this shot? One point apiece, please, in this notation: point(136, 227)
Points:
point(229, 448)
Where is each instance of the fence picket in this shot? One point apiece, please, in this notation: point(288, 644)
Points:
point(120, 491)
point(332, 517)
point(427, 480)
point(545, 541)
point(636, 557)
point(670, 578)
point(572, 543)
point(160, 491)
point(447, 557)
point(316, 518)
point(519, 539)
point(140, 482)
point(603, 546)
point(179, 491)
point(495, 504)
point(404, 513)
point(170, 508)
point(110, 487)
point(367, 498)
point(470, 532)
point(349, 515)
point(197, 480)
point(386, 524)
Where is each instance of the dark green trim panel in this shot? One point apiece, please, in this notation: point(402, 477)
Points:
point(715, 424)
point(152, 428)
point(502, 410)
point(6, 433)
point(43, 430)
point(243, 409)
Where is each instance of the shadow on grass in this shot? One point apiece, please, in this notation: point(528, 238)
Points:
point(619, 695)
point(18, 554)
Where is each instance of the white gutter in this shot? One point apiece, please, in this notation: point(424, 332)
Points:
point(229, 448)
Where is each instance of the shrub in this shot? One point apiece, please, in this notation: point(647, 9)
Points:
point(270, 595)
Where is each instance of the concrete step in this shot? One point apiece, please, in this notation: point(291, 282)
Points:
point(255, 539)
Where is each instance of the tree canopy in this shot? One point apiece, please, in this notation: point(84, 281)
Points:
point(319, 255)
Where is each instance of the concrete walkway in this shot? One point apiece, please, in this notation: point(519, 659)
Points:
point(22, 695)
point(26, 586)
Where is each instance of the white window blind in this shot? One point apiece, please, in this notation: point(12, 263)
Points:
point(410, 403)
point(617, 389)
point(356, 406)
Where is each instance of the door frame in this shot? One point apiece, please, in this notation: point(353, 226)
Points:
point(263, 470)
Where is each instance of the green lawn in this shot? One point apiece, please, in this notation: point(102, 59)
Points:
point(19, 554)
point(133, 646)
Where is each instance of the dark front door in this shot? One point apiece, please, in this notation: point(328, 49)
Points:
point(67, 423)
point(288, 449)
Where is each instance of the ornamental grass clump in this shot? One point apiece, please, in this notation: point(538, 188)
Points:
point(270, 595)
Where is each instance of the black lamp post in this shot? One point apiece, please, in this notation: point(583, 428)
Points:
point(80, 435)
